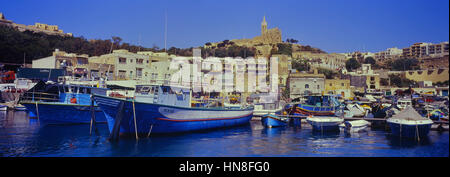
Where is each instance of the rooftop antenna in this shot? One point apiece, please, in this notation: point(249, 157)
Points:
point(165, 31)
point(139, 43)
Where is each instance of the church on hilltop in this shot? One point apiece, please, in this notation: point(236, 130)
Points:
point(267, 37)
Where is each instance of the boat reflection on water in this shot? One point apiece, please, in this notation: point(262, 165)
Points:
point(273, 132)
point(398, 142)
point(325, 134)
point(356, 134)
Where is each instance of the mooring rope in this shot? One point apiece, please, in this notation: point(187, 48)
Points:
point(135, 125)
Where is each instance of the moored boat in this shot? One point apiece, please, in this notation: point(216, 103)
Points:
point(169, 111)
point(3, 107)
point(325, 123)
point(354, 126)
point(271, 120)
point(409, 124)
point(318, 106)
point(63, 104)
point(20, 107)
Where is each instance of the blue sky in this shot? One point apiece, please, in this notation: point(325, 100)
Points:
point(331, 25)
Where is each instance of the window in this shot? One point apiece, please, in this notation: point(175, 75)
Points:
point(139, 61)
point(82, 61)
point(318, 86)
point(342, 84)
point(307, 86)
point(138, 72)
point(122, 74)
point(122, 60)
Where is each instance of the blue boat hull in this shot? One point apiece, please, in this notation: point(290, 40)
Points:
point(64, 113)
point(272, 122)
point(409, 131)
point(168, 119)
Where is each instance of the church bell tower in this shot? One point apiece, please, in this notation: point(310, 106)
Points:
point(263, 26)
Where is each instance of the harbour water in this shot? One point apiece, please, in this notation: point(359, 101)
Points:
point(21, 136)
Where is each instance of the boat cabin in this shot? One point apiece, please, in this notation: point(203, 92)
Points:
point(62, 93)
point(322, 101)
point(166, 95)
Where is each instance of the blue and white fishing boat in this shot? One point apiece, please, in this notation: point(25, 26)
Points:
point(272, 120)
point(63, 104)
point(165, 109)
point(318, 106)
point(325, 123)
point(409, 124)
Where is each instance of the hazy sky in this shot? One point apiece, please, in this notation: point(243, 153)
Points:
point(331, 25)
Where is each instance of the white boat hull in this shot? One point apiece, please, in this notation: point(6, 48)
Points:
point(354, 126)
point(325, 123)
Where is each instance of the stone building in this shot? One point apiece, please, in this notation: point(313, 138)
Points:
point(76, 65)
point(263, 43)
point(37, 27)
point(127, 65)
point(422, 49)
point(434, 75)
point(364, 79)
point(268, 36)
point(322, 60)
point(390, 53)
point(301, 84)
point(338, 86)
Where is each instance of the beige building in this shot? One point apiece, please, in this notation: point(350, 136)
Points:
point(434, 75)
point(37, 27)
point(365, 78)
point(390, 53)
point(76, 65)
point(263, 43)
point(127, 65)
point(338, 86)
point(332, 61)
point(422, 49)
point(301, 84)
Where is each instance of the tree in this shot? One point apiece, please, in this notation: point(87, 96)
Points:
point(301, 65)
point(329, 74)
point(285, 49)
point(404, 64)
point(400, 81)
point(370, 60)
point(352, 64)
point(288, 40)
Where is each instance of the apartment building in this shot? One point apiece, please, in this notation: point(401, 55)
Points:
point(421, 49)
point(127, 65)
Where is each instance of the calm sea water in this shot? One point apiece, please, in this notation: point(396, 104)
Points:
point(22, 136)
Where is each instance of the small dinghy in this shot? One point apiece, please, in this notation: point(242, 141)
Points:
point(3, 107)
point(409, 124)
point(271, 120)
point(354, 126)
point(20, 107)
point(327, 123)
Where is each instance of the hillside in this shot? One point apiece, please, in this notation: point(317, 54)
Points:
point(15, 45)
